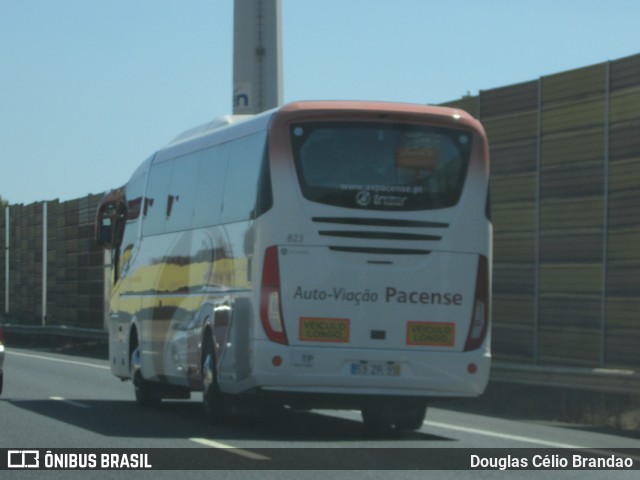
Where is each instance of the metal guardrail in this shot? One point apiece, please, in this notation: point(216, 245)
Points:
point(600, 380)
point(58, 331)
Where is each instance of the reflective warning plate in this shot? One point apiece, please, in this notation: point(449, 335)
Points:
point(431, 334)
point(324, 329)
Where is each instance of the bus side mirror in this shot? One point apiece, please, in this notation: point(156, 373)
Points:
point(110, 210)
point(105, 233)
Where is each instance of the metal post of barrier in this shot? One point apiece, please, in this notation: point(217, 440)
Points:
point(605, 221)
point(536, 298)
point(44, 262)
point(7, 216)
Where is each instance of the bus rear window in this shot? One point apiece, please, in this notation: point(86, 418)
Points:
point(380, 166)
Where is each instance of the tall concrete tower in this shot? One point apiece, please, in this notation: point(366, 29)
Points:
point(257, 56)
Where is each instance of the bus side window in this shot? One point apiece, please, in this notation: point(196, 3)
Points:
point(129, 225)
point(212, 167)
point(181, 195)
point(157, 197)
point(241, 187)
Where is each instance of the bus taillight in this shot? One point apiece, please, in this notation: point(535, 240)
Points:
point(480, 314)
point(270, 306)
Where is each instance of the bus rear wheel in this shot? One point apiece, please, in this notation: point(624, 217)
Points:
point(215, 402)
point(383, 416)
point(412, 418)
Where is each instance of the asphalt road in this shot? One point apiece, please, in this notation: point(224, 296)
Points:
point(53, 401)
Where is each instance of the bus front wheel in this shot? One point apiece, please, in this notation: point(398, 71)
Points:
point(146, 395)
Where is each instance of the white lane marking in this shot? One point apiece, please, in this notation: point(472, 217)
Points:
point(229, 448)
point(518, 438)
point(60, 360)
point(504, 436)
point(70, 402)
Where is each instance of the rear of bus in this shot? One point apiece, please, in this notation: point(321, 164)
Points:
point(375, 259)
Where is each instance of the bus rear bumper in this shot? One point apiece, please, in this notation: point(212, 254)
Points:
point(339, 371)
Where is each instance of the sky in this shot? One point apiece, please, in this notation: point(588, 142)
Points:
point(91, 88)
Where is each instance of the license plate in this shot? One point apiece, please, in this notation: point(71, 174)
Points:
point(376, 369)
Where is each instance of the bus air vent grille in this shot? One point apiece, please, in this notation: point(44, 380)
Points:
point(380, 251)
point(379, 235)
point(380, 222)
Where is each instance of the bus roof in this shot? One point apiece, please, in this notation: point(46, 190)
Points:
point(373, 106)
point(209, 127)
point(352, 106)
point(222, 127)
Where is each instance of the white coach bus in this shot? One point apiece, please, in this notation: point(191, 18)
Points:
point(319, 255)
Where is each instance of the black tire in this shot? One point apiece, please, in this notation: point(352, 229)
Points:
point(1, 381)
point(400, 414)
point(412, 418)
point(215, 403)
point(146, 395)
point(377, 421)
